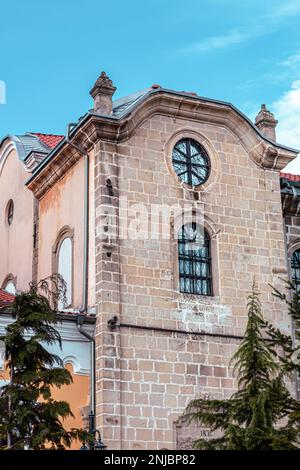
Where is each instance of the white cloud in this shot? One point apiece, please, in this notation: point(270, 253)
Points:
point(291, 61)
point(265, 24)
point(217, 42)
point(284, 10)
point(2, 92)
point(287, 110)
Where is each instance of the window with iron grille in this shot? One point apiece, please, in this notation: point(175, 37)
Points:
point(295, 266)
point(194, 260)
point(191, 162)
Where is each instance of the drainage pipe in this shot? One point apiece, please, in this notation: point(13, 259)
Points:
point(84, 308)
point(79, 323)
point(86, 218)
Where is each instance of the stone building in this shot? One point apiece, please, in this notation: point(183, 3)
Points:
point(158, 209)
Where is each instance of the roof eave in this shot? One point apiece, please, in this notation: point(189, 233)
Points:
point(133, 107)
point(203, 99)
point(56, 149)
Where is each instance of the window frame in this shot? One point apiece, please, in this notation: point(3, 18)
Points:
point(190, 166)
point(295, 279)
point(64, 233)
point(192, 260)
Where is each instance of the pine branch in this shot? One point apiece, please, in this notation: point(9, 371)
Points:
point(26, 404)
point(251, 419)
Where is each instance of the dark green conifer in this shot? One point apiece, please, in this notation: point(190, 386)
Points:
point(28, 413)
point(262, 414)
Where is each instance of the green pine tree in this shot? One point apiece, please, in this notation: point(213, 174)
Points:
point(262, 414)
point(28, 413)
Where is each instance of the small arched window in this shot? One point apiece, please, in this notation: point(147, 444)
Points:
point(191, 162)
point(65, 269)
point(9, 213)
point(295, 268)
point(194, 260)
point(10, 287)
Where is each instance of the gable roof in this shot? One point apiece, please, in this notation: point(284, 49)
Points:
point(33, 142)
point(123, 105)
point(51, 140)
point(130, 102)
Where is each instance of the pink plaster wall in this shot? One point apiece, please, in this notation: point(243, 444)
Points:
point(16, 240)
point(63, 206)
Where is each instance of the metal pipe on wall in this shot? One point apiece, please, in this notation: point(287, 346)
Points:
point(86, 217)
point(80, 321)
point(84, 308)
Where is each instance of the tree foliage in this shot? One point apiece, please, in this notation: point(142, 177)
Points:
point(262, 414)
point(28, 413)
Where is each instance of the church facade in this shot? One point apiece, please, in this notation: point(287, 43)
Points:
point(159, 209)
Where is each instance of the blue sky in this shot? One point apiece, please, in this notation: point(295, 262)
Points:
point(246, 52)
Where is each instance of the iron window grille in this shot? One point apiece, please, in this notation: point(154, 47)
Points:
point(194, 260)
point(191, 162)
point(295, 266)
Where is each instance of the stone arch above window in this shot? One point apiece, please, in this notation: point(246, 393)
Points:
point(293, 246)
point(292, 254)
point(63, 263)
point(72, 360)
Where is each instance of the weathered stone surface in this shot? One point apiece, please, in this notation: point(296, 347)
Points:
point(157, 373)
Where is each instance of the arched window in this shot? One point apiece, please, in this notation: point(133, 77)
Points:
point(295, 267)
point(65, 269)
point(62, 263)
point(191, 162)
point(10, 287)
point(194, 260)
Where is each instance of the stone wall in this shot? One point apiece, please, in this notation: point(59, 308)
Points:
point(146, 376)
point(160, 372)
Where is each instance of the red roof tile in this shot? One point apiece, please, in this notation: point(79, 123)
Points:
point(50, 140)
point(289, 176)
point(6, 297)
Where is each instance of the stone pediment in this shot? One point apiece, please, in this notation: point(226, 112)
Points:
point(94, 127)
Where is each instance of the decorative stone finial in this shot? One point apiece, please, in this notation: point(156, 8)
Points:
point(266, 122)
point(102, 93)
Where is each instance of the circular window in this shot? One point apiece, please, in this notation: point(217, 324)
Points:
point(10, 212)
point(191, 162)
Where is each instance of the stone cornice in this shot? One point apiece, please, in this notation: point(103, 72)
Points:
point(94, 127)
point(67, 329)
